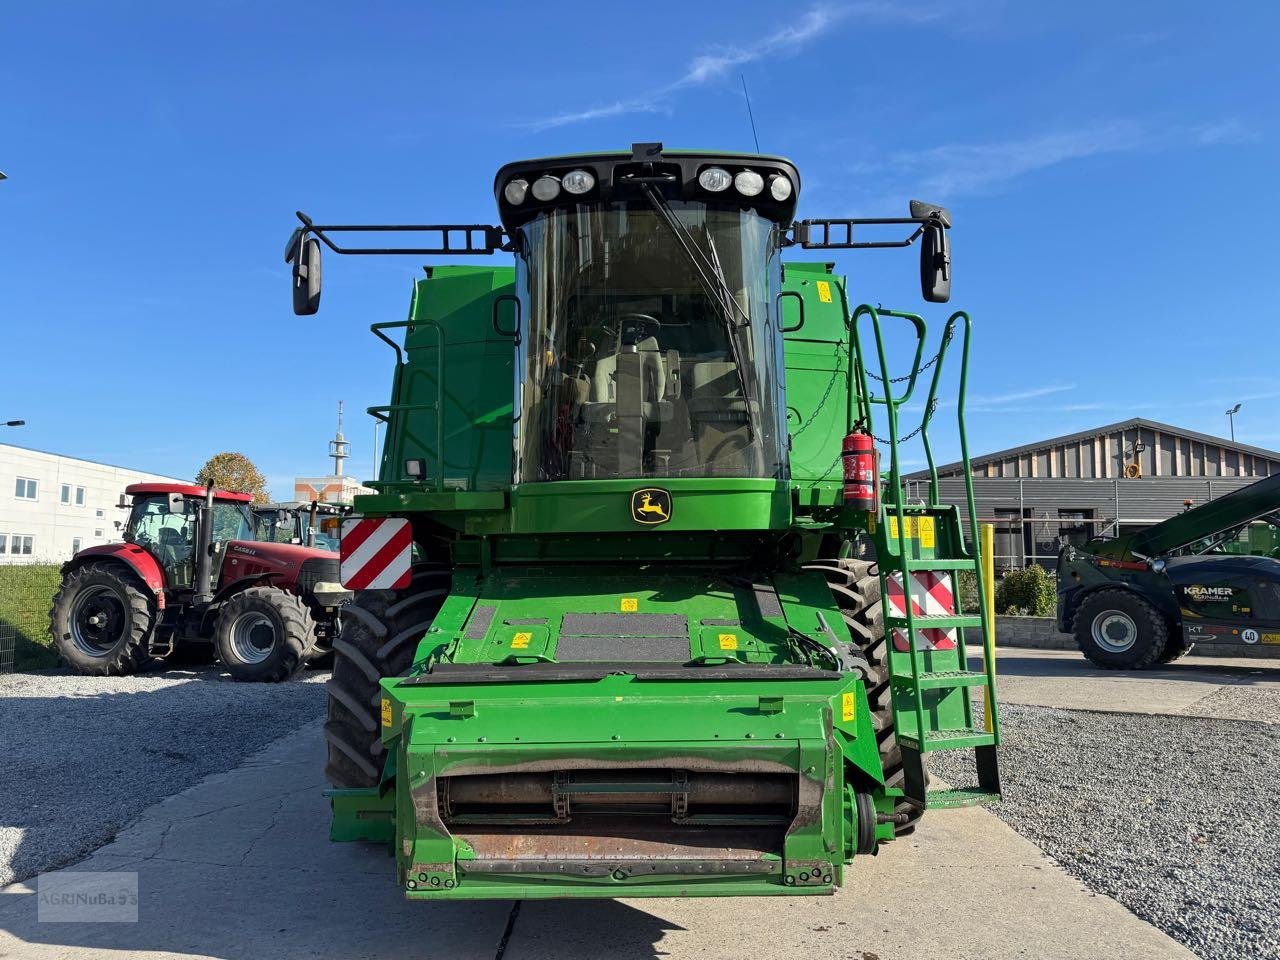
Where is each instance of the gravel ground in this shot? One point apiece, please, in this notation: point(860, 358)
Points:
point(1175, 817)
point(83, 756)
point(1239, 703)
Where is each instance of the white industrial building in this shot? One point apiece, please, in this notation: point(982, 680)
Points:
point(51, 505)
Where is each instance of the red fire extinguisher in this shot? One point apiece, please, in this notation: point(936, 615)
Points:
point(861, 472)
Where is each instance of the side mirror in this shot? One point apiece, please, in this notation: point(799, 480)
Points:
point(935, 263)
point(177, 503)
point(305, 257)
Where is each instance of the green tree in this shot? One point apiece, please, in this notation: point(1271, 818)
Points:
point(235, 472)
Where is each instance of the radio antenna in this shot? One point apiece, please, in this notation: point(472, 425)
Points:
point(750, 116)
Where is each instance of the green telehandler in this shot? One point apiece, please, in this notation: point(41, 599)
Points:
point(614, 632)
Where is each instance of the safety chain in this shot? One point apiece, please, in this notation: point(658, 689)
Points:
point(943, 346)
point(861, 424)
point(825, 394)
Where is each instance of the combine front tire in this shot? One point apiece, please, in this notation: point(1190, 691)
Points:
point(101, 620)
point(856, 586)
point(1119, 630)
point(380, 634)
point(263, 634)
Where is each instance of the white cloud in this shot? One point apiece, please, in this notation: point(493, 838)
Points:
point(1018, 396)
point(719, 62)
point(953, 169)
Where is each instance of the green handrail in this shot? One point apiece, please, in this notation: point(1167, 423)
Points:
point(382, 412)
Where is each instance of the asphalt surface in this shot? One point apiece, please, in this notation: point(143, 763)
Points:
point(84, 756)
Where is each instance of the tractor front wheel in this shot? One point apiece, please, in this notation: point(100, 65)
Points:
point(380, 634)
point(1119, 630)
point(263, 634)
point(855, 585)
point(101, 620)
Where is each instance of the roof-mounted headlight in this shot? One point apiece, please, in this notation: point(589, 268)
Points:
point(749, 183)
point(577, 181)
point(515, 191)
point(714, 179)
point(780, 188)
point(546, 188)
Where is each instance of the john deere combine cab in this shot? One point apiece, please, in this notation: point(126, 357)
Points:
point(616, 629)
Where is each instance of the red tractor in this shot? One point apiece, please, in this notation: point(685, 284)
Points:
point(190, 579)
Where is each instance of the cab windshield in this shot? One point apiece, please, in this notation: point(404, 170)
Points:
point(640, 360)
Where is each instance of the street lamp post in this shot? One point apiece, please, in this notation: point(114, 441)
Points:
point(1231, 419)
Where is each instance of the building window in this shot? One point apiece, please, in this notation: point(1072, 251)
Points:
point(4, 542)
point(99, 514)
point(18, 544)
point(79, 496)
point(75, 544)
point(66, 493)
point(98, 534)
point(25, 489)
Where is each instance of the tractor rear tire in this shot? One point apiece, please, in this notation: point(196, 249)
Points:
point(262, 635)
point(856, 587)
point(380, 634)
point(101, 620)
point(1119, 630)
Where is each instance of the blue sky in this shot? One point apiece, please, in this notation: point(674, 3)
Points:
point(1110, 168)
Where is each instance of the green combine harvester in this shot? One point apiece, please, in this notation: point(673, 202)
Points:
point(615, 632)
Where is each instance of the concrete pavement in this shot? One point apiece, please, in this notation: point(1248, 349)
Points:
point(1224, 688)
point(239, 866)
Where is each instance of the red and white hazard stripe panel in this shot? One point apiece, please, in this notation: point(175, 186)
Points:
point(375, 553)
point(931, 596)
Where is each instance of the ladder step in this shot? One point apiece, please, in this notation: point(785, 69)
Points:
point(924, 623)
point(936, 740)
point(942, 679)
point(960, 798)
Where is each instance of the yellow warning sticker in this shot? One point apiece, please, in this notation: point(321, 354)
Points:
point(926, 528)
point(630, 604)
point(386, 712)
point(728, 641)
point(824, 291)
point(908, 527)
point(848, 707)
point(521, 641)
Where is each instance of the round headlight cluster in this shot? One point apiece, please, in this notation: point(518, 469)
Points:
point(714, 179)
point(515, 191)
point(548, 187)
point(780, 188)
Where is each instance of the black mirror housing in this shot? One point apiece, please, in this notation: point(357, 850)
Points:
point(306, 275)
point(935, 263)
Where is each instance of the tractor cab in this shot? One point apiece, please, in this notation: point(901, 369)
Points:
point(163, 518)
point(312, 524)
point(649, 291)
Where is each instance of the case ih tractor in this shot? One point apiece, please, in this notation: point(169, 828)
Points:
point(608, 638)
point(188, 575)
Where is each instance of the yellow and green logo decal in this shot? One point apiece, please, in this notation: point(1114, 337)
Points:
point(651, 506)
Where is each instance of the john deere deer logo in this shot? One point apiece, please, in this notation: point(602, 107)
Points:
point(651, 505)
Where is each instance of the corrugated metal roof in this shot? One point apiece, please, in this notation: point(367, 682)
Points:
point(1134, 423)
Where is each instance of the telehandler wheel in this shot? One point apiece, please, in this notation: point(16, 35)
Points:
point(101, 620)
point(1119, 630)
point(1176, 648)
point(262, 634)
point(856, 587)
point(380, 634)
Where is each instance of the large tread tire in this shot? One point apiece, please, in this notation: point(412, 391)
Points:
point(294, 634)
point(855, 584)
point(380, 634)
point(136, 606)
point(1152, 630)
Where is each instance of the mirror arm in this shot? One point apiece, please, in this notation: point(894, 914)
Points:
point(476, 238)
